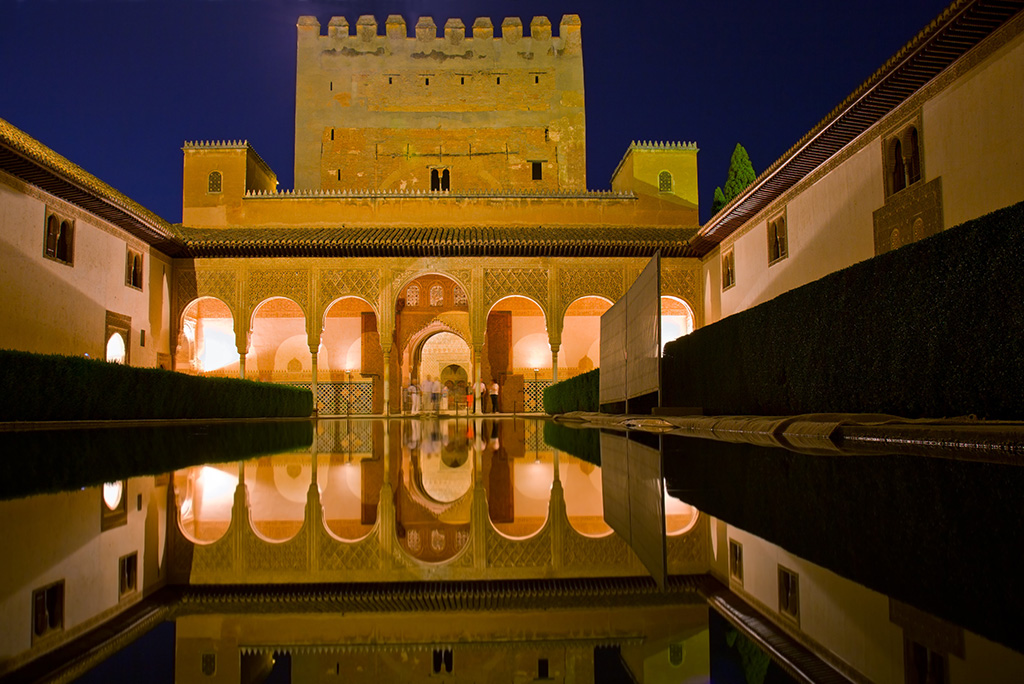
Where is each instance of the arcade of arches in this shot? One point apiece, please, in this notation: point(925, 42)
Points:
point(377, 325)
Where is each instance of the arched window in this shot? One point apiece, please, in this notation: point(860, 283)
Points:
point(898, 173)
point(664, 182)
point(64, 242)
point(446, 181)
point(914, 159)
point(215, 182)
point(436, 295)
point(435, 180)
point(137, 271)
point(52, 231)
point(459, 295)
point(412, 295)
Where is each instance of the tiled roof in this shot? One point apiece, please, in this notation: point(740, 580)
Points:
point(26, 158)
point(952, 34)
point(598, 241)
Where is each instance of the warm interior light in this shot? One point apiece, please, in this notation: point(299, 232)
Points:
point(112, 492)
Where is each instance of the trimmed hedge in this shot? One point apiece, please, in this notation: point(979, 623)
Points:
point(932, 329)
point(43, 461)
point(41, 387)
point(575, 394)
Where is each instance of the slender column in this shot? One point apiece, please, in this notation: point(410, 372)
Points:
point(241, 365)
point(554, 363)
point(312, 384)
point(387, 383)
point(478, 374)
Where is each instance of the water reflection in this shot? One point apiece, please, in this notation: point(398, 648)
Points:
point(425, 489)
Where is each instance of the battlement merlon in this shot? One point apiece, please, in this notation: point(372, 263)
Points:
point(368, 40)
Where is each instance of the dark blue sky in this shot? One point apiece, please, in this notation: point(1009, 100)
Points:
point(118, 86)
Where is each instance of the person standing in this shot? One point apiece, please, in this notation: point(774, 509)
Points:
point(481, 390)
point(494, 396)
point(414, 395)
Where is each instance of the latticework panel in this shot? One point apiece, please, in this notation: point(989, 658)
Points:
point(342, 398)
point(345, 437)
point(519, 553)
point(534, 395)
point(338, 555)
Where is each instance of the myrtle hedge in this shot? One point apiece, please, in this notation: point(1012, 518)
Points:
point(575, 394)
point(932, 329)
point(583, 443)
point(43, 387)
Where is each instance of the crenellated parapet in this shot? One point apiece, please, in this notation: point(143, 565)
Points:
point(425, 31)
point(663, 169)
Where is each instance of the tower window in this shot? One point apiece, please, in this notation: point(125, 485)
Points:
point(426, 81)
point(536, 79)
point(462, 80)
point(446, 181)
point(664, 182)
point(332, 134)
point(390, 81)
point(542, 668)
point(499, 80)
point(339, 174)
point(215, 182)
point(412, 295)
point(538, 171)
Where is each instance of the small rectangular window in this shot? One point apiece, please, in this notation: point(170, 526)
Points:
point(542, 668)
point(778, 247)
point(127, 574)
point(536, 79)
point(736, 561)
point(48, 610)
point(390, 81)
point(728, 270)
point(142, 338)
point(462, 80)
point(499, 80)
point(789, 593)
point(538, 171)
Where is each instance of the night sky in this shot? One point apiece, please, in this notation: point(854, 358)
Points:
point(117, 87)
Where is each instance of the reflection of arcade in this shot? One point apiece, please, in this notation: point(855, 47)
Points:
point(433, 496)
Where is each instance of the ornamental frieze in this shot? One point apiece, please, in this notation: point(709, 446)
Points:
point(340, 282)
point(191, 285)
point(683, 283)
point(529, 282)
point(602, 282)
point(290, 283)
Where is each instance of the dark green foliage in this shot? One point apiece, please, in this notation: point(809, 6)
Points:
point(40, 387)
point(576, 394)
point(932, 329)
point(718, 202)
point(583, 443)
point(42, 461)
point(741, 173)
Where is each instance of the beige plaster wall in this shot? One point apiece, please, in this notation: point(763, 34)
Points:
point(972, 137)
point(50, 307)
point(57, 537)
point(845, 618)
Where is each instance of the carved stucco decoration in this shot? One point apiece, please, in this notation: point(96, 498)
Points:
point(194, 284)
point(340, 282)
point(601, 282)
point(339, 555)
point(266, 557)
point(529, 282)
point(601, 551)
point(216, 557)
point(683, 283)
point(401, 278)
point(452, 322)
point(688, 550)
point(534, 552)
point(291, 283)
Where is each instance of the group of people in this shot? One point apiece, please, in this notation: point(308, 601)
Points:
point(432, 396)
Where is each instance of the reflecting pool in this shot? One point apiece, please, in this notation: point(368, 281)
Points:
point(472, 549)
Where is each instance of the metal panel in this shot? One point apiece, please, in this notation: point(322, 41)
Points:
point(643, 332)
point(613, 354)
point(615, 483)
point(647, 509)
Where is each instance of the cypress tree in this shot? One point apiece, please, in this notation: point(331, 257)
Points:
point(718, 202)
point(741, 173)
